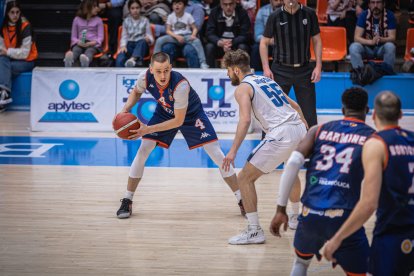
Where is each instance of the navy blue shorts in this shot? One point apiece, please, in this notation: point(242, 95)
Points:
point(392, 254)
point(314, 230)
point(196, 132)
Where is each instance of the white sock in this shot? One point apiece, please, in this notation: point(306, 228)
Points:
point(295, 206)
point(238, 195)
point(129, 195)
point(253, 219)
point(300, 267)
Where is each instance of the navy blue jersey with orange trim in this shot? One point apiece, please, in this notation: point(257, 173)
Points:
point(335, 173)
point(396, 203)
point(165, 97)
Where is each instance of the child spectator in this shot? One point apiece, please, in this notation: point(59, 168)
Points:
point(87, 34)
point(17, 50)
point(136, 37)
point(181, 29)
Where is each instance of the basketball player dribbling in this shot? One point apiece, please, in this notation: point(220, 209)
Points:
point(178, 108)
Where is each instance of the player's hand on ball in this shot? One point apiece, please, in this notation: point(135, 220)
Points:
point(137, 133)
point(279, 218)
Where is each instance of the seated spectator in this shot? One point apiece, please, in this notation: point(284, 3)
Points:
point(342, 13)
point(259, 26)
point(181, 30)
point(374, 36)
point(17, 50)
point(227, 29)
point(112, 10)
point(411, 10)
point(136, 38)
point(87, 34)
point(187, 51)
point(156, 11)
point(389, 4)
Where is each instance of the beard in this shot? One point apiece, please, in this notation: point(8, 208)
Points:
point(376, 11)
point(235, 81)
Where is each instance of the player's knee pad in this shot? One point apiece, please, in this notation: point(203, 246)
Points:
point(216, 154)
point(137, 167)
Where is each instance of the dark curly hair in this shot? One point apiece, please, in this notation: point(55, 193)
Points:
point(355, 98)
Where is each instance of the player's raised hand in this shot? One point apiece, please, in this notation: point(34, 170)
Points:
point(278, 219)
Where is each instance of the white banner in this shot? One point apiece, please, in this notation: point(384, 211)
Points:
point(86, 99)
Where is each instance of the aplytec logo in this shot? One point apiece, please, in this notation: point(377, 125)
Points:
point(218, 93)
point(68, 110)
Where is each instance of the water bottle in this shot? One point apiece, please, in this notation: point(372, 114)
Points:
point(83, 37)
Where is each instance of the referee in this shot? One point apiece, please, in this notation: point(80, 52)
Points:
point(292, 26)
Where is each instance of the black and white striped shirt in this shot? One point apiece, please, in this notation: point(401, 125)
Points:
point(292, 34)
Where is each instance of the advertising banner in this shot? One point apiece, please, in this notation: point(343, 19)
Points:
point(86, 99)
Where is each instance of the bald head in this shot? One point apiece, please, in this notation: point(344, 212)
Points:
point(387, 106)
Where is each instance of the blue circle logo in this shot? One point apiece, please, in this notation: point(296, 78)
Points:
point(146, 109)
point(216, 92)
point(69, 89)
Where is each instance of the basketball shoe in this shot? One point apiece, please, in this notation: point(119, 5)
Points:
point(251, 235)
point(242, 211)
point(125, 210)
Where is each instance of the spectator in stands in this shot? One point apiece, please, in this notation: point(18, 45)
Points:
point(228, 28)
point(411, 10)
point(182, 30)
point(156, 11)
point(112, 10)
point(136, 38)
point(389, 4)
point(87, 34)
point(342, 13)
point(374, 36)
point(17, 50)
point(259, 26)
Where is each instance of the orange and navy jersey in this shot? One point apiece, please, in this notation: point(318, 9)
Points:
point(10, 39)
point(335, 173)
point(165, 97)
point(396, 202)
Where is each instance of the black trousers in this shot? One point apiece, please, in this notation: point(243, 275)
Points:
point(300, 79)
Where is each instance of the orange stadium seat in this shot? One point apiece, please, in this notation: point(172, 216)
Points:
point(333, 44)
point(321, 7)
point(409, 43)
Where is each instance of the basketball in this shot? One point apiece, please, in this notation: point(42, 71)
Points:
point(123, 123)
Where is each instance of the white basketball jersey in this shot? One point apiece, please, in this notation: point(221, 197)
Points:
point(270, 107)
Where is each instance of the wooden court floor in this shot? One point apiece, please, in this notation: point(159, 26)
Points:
point(60, 220)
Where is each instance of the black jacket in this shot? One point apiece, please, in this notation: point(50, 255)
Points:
point(216, 24)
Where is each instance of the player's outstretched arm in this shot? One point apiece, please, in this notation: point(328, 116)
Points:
point(290, 172)
point(243, 97)
point(373, 158)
